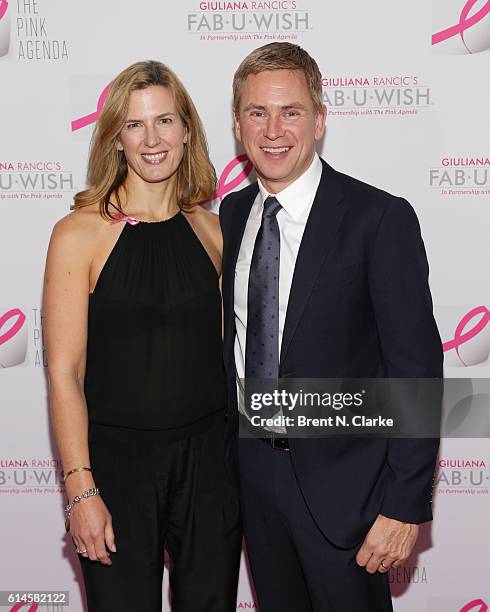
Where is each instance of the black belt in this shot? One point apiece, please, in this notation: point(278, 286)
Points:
point(272, 440)
point(277, 443)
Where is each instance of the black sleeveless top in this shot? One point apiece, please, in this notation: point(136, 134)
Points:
point(154, 349)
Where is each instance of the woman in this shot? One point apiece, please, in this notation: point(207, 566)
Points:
point(133, 330)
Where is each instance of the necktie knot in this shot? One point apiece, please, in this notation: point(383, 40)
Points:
point(271, 206)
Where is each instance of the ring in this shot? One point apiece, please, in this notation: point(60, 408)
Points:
point(81, 552)
point(383, 565)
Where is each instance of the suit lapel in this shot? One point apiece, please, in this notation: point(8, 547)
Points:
point(322, 225)
point(240, 214)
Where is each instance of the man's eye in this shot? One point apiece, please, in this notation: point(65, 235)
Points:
point(257, 114)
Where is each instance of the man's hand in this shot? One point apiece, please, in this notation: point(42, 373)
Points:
point(388, 543)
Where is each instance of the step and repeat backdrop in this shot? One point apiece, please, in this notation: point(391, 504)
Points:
point(408, 95)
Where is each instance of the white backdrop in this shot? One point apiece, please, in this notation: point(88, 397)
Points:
point(408, 97)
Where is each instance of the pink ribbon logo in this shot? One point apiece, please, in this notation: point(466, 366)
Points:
point(477, 605)
point(223, 187)
point(120, 217)
point(3, 8)
point(78, 124)
point(464, 24)
point(19, 317)
point(33, 607)
point(461, 336)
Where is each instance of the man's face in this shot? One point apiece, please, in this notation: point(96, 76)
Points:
point(278, 126)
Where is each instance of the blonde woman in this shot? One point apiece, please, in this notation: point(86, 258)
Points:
point(137, 386)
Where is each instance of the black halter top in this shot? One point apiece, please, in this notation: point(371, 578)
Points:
point(154, 348)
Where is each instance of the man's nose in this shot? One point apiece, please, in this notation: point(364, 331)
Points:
point(274, 128)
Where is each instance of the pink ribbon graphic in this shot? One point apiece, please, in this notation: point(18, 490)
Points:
point(464, 23)
point(16, 327)
point(3, 8)
point(461, 337)
point(472, 606)
point(78, 124)
point(223, 187)
point(34, 607)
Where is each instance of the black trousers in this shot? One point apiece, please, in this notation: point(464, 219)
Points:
point(172, 494)
point(294, 567)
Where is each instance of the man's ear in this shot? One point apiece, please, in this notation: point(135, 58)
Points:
point(320, 122)
point(236, 125)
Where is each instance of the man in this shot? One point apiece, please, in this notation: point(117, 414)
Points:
point(323, 277)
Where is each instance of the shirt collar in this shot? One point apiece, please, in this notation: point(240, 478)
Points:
point(296, 198)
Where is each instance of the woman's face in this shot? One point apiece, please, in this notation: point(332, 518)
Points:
point(153, 135)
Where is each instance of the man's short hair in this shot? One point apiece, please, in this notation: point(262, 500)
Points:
point(279, 56)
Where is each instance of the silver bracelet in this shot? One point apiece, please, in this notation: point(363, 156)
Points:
point(78, 498)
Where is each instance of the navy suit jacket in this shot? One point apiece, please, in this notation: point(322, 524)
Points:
point(359, 307)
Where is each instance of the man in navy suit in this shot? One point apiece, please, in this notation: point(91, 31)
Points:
point(323, 277)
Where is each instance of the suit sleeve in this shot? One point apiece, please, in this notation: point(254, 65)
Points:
point(411, 348)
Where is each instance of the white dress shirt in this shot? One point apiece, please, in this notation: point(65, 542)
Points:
point(296, 201)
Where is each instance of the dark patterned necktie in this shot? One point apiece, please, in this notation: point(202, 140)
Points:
point(262, 344)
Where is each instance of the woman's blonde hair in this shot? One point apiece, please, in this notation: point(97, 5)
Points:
point(107, 167)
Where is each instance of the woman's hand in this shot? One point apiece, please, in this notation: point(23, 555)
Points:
point(91, 529)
